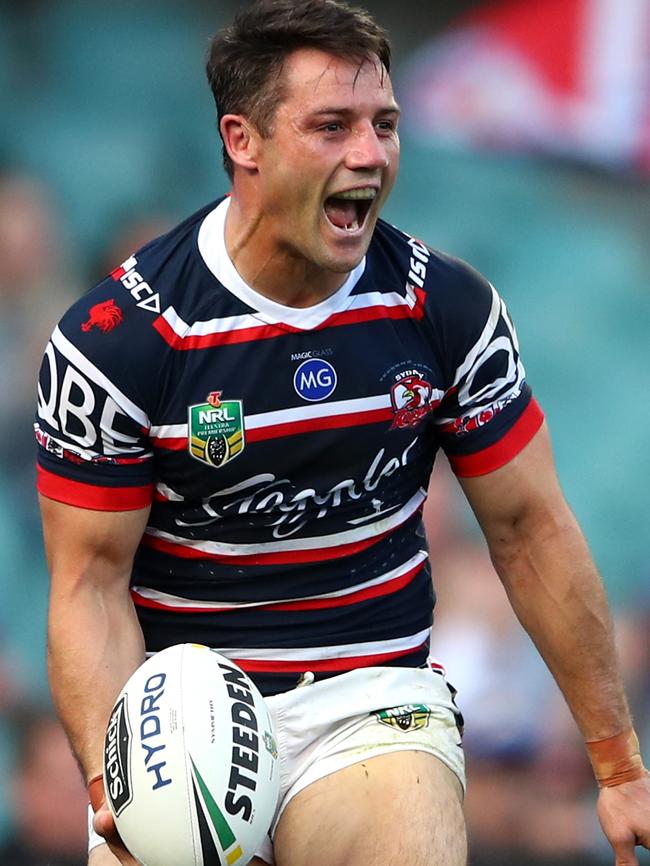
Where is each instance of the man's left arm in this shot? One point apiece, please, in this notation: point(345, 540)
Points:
point(544, 563)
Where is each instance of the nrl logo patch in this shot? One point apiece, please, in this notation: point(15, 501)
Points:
point(410, 717)
point(216, 430)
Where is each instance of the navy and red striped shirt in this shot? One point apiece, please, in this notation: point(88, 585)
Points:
point(285, 452)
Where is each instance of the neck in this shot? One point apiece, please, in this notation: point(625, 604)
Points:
point(273, 269)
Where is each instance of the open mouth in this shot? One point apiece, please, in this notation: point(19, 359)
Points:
point(349, 210)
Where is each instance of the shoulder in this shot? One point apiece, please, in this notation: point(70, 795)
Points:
point(452, 290)
point(116, 322)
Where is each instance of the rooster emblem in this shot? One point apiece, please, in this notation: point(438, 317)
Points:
point(105, 316)
point(412, 392)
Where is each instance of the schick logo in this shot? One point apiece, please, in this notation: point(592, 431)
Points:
point(315, 380)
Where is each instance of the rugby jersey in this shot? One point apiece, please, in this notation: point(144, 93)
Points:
point(285, 452)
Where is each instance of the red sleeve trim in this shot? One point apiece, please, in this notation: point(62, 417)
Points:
point(497, 455)
point(90, 495)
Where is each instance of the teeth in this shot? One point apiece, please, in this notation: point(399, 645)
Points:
point(358, 194)
point(353, 226)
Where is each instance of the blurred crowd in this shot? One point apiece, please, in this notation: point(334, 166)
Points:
point(75, 202)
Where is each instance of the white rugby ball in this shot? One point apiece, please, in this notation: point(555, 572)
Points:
point(190, 761)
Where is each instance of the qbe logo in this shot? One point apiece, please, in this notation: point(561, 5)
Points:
point(315, 380)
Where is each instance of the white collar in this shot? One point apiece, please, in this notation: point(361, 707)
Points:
point(212, 247)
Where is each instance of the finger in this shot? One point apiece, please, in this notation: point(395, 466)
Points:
point(104, 823)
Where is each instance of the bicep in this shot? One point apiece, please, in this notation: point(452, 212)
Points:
point(83, 544)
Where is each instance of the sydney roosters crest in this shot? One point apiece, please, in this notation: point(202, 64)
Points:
point(412, 398)
point(105, 316)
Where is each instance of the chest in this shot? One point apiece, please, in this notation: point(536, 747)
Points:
point(332, 411)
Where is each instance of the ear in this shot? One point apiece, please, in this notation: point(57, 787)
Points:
point(241, 140)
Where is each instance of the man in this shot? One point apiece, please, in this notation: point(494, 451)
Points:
point(237, 430)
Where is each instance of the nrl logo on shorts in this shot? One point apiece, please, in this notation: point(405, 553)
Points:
point(410, 717)
point(216, 430)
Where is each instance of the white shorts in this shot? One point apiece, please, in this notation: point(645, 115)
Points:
point(329, 725)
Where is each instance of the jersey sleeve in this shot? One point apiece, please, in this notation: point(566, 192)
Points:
point(91, 427)
point(488, 414)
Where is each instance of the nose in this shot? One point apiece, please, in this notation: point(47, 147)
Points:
point(367, 150)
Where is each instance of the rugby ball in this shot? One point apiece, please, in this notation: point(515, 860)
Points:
point(190, 761)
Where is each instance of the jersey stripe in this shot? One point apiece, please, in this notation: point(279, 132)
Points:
point(290, 549)
point(367, 307)
point(69, 351)
point(289, 422)
point(326, 657)
point(90, 495)
point(497, 455)
point(385, 584)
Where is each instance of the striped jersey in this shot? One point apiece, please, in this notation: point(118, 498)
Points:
point(285, 452)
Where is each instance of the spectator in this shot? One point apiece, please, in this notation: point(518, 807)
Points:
point(49, 798)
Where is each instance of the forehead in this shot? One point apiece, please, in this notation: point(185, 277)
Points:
point(314, 79)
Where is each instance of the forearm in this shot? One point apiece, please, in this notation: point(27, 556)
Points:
point(94, 644)
point(558, 596)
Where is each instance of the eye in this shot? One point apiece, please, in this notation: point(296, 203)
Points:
point(386, 125)
point(332, 127)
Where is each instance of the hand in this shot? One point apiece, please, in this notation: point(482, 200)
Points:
point(104, 825)
point(624, 814)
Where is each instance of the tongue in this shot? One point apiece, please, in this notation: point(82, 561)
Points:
point(340, 212)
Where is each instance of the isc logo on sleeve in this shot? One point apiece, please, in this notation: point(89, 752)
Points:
point(315, 380)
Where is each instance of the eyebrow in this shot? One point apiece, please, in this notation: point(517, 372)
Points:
point(388, 109)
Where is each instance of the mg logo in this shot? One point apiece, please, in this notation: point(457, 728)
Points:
point(315, 380)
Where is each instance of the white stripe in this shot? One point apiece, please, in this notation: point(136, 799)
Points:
point(483, 340)
point(168, 431)
point(284, 416)
point(336, 540)
point(178, 601)
point(70, 351)
point(369, 648)
point(377, 299)
point(210, 326)
point(321, 410)
point(237, 323)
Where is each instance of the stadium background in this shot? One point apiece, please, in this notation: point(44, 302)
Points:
point(108, 136)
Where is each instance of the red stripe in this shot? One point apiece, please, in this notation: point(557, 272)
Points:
point(293, 428)
point(266, 332)
point(503, 451)
point(275, 558)
point(224, 338)
point(316, 665)
point(381, 589)
point(118, 273)
point(386, 588)
point(172, 444)
point(90, 495)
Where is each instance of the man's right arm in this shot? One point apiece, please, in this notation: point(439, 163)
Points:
point(94, 638)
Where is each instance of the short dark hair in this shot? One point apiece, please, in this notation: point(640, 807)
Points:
point(245, 60)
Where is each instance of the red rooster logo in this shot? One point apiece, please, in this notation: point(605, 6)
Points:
point(105, 316)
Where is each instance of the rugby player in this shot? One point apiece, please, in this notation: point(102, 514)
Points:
point(236, 431)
